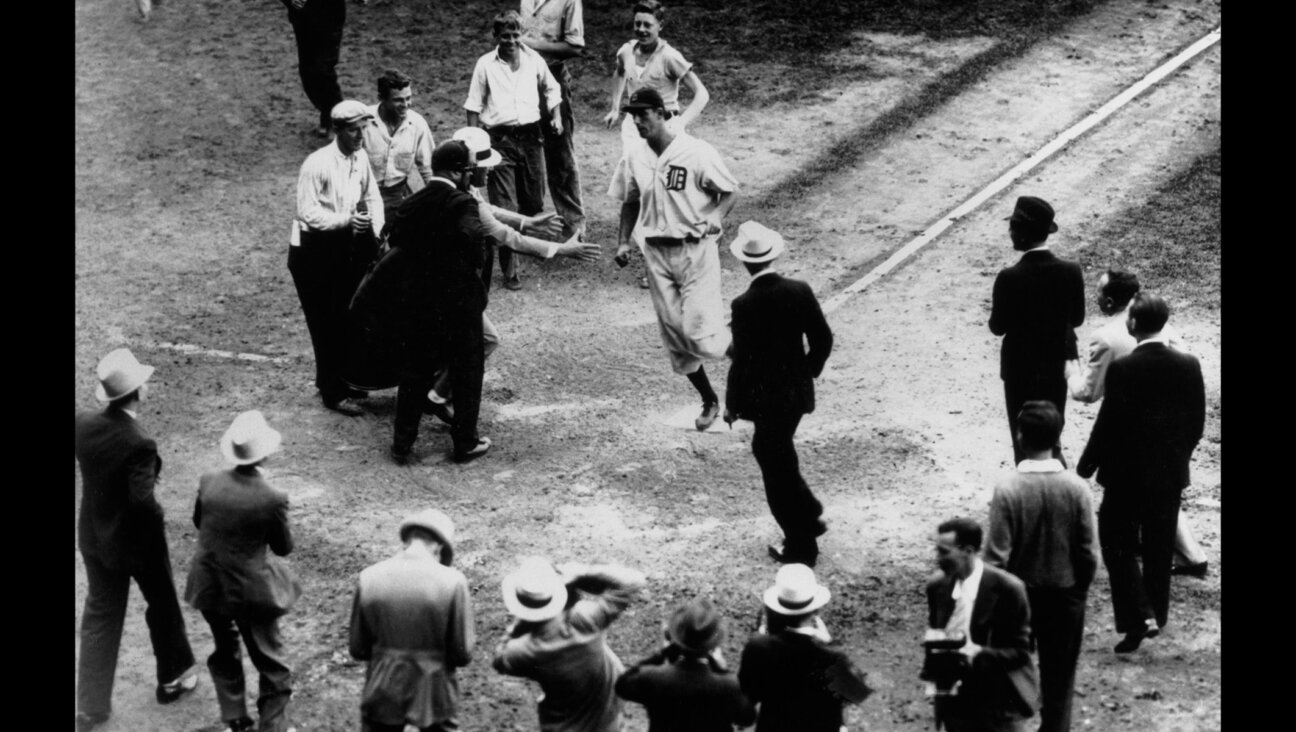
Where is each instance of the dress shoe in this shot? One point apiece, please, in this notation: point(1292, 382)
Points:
point(243, 724)
point(643, 283)
point(403, 456)
point(1197, 570)
point(821, 528)
point(512, 283)
point(779, 553)
point(342, 406)
point(442, 411)
point(710, 410)
point(1131, 641)
point(481, 448)
point(86, 722)
point(173, 690)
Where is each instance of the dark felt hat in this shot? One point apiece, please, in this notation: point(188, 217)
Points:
point(696, 627)
point(1034, 213)
point(451, 155)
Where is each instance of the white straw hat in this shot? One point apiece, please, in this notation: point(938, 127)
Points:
point(535, 592)
point(119, 374)
point(479, 147)
point(249, 439)
point(795, 591)
point(756, 243)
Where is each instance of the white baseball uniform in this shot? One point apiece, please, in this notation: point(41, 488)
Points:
point(677, 194)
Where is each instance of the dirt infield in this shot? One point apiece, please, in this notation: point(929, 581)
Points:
point(849, 140)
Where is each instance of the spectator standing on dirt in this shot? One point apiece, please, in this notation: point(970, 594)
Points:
point(675, 192)
point(504, 98)
point(771, 383)
point(686, 686)
point(649, 61)
point(988, 609)
point(122, 536)
point(798, 679)
point(397, 140)
point(412, 621)
point(556, 29)
point(1041, 530)
point(240, 589)
point(317, 25)
point(558, 639)
point(339, 211)
point(1036, 305)
point(1149, 423)
point(1115, 292)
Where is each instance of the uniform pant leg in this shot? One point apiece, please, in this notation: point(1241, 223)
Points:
point(225, 664)
point(702, 307)
point(791, 502)
point(1057, 621)
point(1158, 528)
point(661, 265)
point(166, 625)
point(560, 166)
point(101, 628)
point(1118, 537)
point(265, 648)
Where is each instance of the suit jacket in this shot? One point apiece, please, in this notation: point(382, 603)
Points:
point(1036, 306)
point(412, 620)
point(788, 674)
point(238, 517)
point(1003, 683)
point(772, 372)
point(1148, 425)
point(121, 522)
point(686, 696)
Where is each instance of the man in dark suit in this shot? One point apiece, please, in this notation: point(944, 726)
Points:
point(1036, 306)
point(1147, 428)
point(771, 383)
point(122, 535)
point(800, 681)
point(686, 686)
point(987, 607)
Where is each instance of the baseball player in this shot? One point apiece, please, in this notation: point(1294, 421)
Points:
point(675, 192)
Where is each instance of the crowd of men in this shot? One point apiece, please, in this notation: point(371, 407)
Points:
point(394, 240)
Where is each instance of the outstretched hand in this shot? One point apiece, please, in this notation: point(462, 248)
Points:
point(585, 251)
point(545, 225)
point(610, 119)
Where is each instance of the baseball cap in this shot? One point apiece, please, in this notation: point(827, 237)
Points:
point(349, 111)
point(644, 98)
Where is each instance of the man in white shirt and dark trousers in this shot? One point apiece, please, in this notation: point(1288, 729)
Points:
point(332, 243)
point(504, 99)
point(397, 140)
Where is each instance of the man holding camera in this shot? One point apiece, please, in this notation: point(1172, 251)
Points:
point(985, 612)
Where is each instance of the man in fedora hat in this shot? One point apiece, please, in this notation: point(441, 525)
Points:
point(558, 639)
point(675, 192)
point(987, 608)
point(412, 621)
point(240, 589)
point(1036, 306)
point(771, 383)
point(800, 682)
point(686, 686)
point(332, 242)
point(122, 536)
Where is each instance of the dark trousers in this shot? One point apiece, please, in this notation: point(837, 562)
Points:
point(392, 197)
point(517, 183)
point(105, 614)
point(794, 507)
point(560, 158)
point(1125, 532)
point(1057, 623)
point(318, 28)
point(1022, 389)
point(457, 345)
point(444, 726)
point(326, 271)
point(265, 647)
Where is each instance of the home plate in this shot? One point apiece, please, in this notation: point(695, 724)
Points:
point(684, 417)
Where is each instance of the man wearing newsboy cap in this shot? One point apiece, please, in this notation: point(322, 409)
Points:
point(122, 536)
point(1036, 306)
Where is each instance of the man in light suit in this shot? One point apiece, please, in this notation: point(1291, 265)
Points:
point(122, 536)
point(1036, 305)
point(988, 607)
point(771, 383)
point(412, 621)
point(1147, 428)
point(1108, 343)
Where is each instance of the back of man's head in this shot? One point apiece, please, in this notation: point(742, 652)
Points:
point(1149, 313)
point(1120, 288)
point(1039, 425)
point(451, 156)
point(390, 81)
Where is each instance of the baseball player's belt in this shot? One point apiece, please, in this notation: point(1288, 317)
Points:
point(670, 241)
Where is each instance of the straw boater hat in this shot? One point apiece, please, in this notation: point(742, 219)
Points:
point(438, 524)
point(535, 592)
point(755, 243)
point(696, 627)
point(120, 374)
point(795, 591)
point(249, 439)
point(479, 147)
